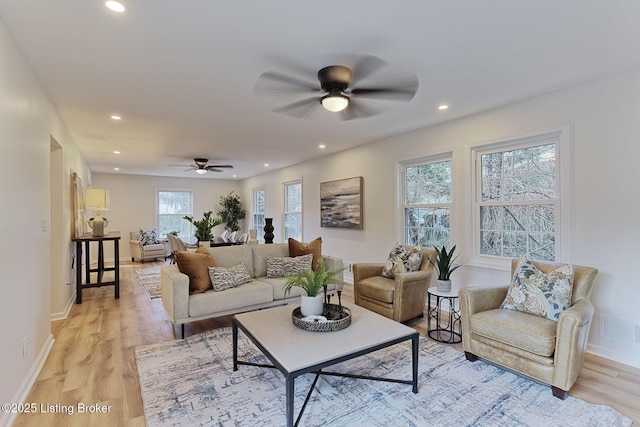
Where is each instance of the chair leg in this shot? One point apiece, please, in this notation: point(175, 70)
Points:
point(559, 393)
point(470, 356)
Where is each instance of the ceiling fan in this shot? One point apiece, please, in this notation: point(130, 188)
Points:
point(202, 166)
point(340, 89)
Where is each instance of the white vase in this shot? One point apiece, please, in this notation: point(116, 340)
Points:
point(312, 306)
point(444, 285)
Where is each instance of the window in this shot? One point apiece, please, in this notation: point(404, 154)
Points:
point(257, 209)
point(427, 202)
point(520, 205)
point(172, 206)
point(293, 209)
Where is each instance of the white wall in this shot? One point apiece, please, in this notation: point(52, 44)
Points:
point(606, 130)
point(34, 263)
point(133, 199)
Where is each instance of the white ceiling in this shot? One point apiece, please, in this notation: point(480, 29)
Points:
point(182, 73)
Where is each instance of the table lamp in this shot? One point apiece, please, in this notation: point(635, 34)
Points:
point(98, 200)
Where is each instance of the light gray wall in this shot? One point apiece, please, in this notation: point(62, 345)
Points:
point(35, 184)
point(604, 118)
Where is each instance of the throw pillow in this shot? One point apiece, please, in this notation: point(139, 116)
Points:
point(402, 260)
point(148, 237)
point(287, 266)
point(314, 247)
point(196, 266)
point(541, 294)
point(226, 278)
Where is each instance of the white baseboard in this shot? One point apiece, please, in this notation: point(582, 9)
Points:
point(64, 314)
point(22, 393)
point(624, 358)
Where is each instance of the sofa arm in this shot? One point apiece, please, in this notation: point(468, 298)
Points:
point(175, 292)
point(136, 249)
point(475, 300)
point(363, 270)
point(571, 342)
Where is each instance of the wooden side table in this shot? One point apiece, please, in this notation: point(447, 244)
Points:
point(451, 332)
point(113, 236)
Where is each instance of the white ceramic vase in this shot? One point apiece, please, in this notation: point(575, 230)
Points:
point(312, 306)
point(444, 285)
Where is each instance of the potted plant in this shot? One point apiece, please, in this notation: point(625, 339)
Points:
point(311, 282)
point(231, 211)
point(444, 265)
point(204, 226)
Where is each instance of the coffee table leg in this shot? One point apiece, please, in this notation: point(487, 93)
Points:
point(290, 389)
point(414, 351)
point(234, 330)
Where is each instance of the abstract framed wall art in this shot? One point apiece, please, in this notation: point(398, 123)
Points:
point(341, 203)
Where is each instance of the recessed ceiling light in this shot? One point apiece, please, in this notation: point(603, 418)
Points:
point(235, 176)
point(114, 117)
point(116, 169)
point(116, 152)
point(115, 6)
point(322, 146)
point(266, 164)
point(443, 107)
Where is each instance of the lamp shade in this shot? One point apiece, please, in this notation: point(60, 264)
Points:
point(334, 102)
point(97, 199)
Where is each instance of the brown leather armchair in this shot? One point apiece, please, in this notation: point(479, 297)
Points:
point(551, 352)
point(400, 299)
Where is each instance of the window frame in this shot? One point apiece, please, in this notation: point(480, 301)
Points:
point(254, 211)
point(562, 136)
point(158, 190)
point(285, 185)
point(435, 158)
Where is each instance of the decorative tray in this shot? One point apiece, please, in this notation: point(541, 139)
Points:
point(334, 318)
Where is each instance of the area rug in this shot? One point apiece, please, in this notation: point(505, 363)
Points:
point(191, 382)
point(150, 279)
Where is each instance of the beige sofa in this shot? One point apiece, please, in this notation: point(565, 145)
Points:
point(261, 292)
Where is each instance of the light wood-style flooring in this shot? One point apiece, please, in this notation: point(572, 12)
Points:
point(92, 360)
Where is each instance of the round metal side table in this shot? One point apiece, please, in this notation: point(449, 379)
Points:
point(451, 332)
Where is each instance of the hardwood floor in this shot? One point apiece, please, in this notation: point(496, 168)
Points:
point(92, 360)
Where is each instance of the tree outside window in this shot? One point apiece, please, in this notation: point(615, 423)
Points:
point(257, 209)
point(293, 210)
point(172, 206)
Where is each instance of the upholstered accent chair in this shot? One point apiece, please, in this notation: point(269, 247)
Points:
point(548, 351)
point(401, 298)
point(177, 244)
point(145, 252)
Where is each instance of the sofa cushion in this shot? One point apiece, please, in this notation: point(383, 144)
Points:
point(378, 288)
point(534, 292)
point(239, 298)
point(261, 252)
point(530, 333)
point(224, 278)
point(287, 266)
point(148, 237)
point(314, 247)
point(196, 266)
point(402, 260)
point(229, 256)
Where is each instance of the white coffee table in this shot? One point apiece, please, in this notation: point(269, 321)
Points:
point(296, 352)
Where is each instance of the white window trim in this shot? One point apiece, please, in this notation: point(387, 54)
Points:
point(284, 205)
point(253, 201)
point(433, 158)
point(564, 220)
point(169, 189)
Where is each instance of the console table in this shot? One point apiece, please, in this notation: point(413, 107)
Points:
point(113, 236)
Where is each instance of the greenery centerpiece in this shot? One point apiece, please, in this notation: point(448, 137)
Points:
point(312, 282)
point(204, 226)
point(231, 211)
point(445, 266)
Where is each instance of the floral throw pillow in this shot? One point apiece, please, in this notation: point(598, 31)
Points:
point(226, 278)
point(148, 237)
point(287, 266)
point(402, 260)
point(541, 294)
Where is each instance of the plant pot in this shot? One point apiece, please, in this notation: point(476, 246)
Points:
point(312, 306)
point(444, 285)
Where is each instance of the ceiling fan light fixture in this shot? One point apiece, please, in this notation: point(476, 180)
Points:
point(201, 171)
point(335, 101)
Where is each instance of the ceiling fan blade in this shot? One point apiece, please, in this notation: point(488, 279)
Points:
point(271, 82)
point(212, 167)
point(361, 109)
point(366, 65)
point(300, 109)
point(395, 88)
point(180, 166)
